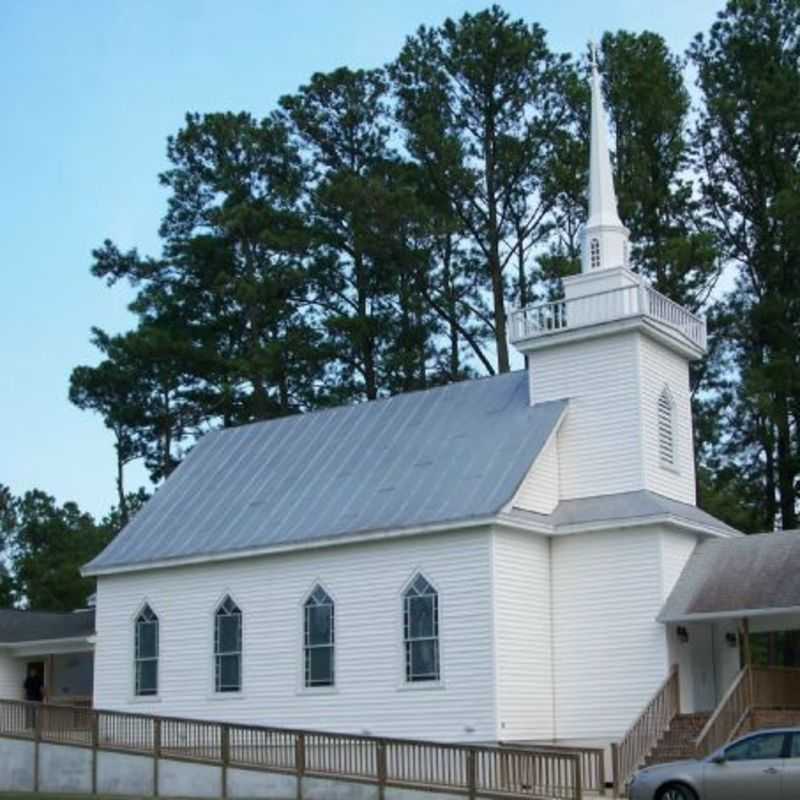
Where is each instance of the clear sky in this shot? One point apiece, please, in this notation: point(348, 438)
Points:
point(89, 91)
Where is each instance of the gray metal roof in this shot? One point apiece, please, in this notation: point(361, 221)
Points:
point(37, 626)
point(452, 453)
point(746, 573)
point(632, 505)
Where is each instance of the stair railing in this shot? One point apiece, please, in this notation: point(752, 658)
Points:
point(729, 715)
point(649, 727)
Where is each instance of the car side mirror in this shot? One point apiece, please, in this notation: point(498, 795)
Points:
point(719, 758)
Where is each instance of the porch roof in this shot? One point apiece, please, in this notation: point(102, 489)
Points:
point(737, 577)
point(41, 626)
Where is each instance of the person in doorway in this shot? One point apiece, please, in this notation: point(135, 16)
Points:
point(34, 686)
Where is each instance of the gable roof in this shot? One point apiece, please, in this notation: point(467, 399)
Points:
point(449, 454)
point(730, 577)
point(38, 626)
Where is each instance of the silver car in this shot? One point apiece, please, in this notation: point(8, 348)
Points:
point(760, 766)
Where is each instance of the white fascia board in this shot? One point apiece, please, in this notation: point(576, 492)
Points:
point(711, 616)
point(71, 644)
point(537, 526)
point(320, 544)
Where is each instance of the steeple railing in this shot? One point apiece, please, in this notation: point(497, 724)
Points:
point(545, 319)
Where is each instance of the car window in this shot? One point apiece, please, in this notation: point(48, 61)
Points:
point(768, 745)
point(795, 750)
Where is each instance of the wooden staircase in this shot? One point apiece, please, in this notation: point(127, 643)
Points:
point(677, 743)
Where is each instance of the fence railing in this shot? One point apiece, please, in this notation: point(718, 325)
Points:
point(645, 732)
point(592, 760)
point(470, 770)
point(728, 716)
point(593, 309)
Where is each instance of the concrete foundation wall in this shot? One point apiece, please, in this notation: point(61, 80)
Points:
point(64, 769)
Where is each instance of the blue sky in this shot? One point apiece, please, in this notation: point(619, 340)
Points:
point(89, 91)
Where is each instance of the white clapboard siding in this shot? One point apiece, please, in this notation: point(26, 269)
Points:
point(599, 442)
point(366, 582)
point(523, 636)
point(539, 491)
point(660, 368)
point(12, 676)
point(676, 548)
point(610, 653)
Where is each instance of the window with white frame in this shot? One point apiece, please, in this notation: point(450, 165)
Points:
point(421, 631)
point(318, 638)
point(146, 652)
point(228, 647)
point(666, 428)
point(594, 253)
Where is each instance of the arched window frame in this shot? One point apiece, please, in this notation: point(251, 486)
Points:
point(421, 639)
point(228, 639)
point(319, 639)
point(146, 644)
point(666, 428)
point(594, 253)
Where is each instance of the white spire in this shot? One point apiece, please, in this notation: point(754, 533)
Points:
point(602, 199)
point(606, 237)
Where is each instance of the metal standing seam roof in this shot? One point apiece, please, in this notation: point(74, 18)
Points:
point(747, 573)
point(38, 626)
point(447, 454)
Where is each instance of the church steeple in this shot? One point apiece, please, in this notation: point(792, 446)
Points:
point(605, 243)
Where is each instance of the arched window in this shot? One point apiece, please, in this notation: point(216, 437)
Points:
point(666, 428)
point(421, 631)
point(228, 647)
point(146, 652)
point(594, 253)
point(318, 635)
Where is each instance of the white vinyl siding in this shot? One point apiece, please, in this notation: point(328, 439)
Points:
point(523, 636)
point(366, 582)
point(661, 368)
point(539, 491)
point(12, 676)
point(610, 653)
point(599, 444)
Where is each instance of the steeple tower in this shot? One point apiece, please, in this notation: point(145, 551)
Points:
point(605, 238)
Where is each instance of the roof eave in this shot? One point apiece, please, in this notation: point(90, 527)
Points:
point(711, 616)
point(317, 544)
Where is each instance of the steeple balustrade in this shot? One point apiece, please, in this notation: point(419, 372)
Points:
point(545, 319)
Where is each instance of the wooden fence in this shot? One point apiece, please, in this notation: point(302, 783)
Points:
point(470, 770)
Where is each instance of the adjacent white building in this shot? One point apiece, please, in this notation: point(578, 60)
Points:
point(477, 562)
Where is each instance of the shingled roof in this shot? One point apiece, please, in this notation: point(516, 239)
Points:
point(733, 577)
point(449, 454)
point(39, 626)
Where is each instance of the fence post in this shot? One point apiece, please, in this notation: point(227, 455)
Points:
point(37, 738)
point(578, 777)
point(471, 776)
point(225, 752)
point(380, 767)
point(615, 767)
point(300, 762)
point(95, 719)
point(601, 771)
point(156, 753)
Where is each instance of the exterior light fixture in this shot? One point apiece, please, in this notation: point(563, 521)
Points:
point(731, 639)
point(682, 634)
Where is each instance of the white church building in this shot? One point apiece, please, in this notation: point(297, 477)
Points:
point(477, 562)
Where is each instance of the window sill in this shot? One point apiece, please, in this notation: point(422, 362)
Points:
point(422, 686)
point(140, 699)
point(317, 690)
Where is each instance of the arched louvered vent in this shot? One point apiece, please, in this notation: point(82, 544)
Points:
point(666, 428)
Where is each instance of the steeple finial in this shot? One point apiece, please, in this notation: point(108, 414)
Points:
point(606, 236)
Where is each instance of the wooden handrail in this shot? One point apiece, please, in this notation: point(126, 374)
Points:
point(728, 715)
point(646, 730)
point(470, 770)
